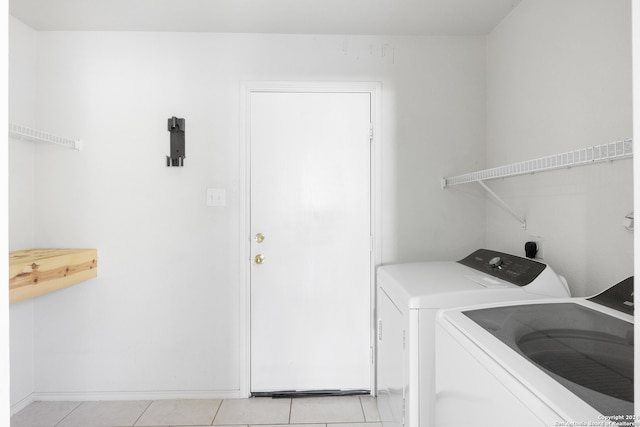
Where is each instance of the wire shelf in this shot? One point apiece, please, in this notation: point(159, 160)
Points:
point(29, 134)
point(585, 156)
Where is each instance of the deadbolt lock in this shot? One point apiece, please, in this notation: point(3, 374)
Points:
point(259, 259)
point(259, 237)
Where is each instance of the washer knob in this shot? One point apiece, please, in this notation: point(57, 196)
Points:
point(495, 262)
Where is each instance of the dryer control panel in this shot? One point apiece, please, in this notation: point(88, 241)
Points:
point(510, 268)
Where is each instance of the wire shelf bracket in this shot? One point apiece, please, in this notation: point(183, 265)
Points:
point(29, 134)
point(586, 156)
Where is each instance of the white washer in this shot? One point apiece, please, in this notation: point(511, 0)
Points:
point(560, 362)
point(409, 295)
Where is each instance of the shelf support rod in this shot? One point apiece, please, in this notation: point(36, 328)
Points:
point(503, 204)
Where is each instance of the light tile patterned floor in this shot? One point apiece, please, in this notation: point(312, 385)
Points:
point(346, 411)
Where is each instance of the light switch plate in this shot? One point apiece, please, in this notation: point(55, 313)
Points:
point(216, 197)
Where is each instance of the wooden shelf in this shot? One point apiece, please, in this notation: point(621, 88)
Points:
point(35, 272)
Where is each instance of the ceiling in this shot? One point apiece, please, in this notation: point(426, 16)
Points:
point(345, 17)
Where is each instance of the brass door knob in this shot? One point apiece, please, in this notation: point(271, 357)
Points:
point(259, 259)
point(259, 237)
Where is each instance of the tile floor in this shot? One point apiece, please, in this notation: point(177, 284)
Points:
point(345, 411)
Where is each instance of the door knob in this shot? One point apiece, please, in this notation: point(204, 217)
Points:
point(259, 259)
point(259, 237)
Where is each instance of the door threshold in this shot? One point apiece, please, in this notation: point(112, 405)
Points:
point(291, 394)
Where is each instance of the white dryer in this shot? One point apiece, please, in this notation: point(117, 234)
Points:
point(559, 362)
point(409, 295)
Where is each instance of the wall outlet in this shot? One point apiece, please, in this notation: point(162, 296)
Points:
point(540, 243)
point(216, 197)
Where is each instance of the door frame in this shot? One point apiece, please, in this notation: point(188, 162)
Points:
point(246, 89)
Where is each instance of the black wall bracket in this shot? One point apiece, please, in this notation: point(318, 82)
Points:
point(177, 153)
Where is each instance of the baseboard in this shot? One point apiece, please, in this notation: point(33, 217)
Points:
point(92, 396)
point(21, 404)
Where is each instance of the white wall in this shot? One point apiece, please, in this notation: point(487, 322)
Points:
point(5, 370)
point(162, 317)
point(559, 79)
point(22, 100)
point(636, 160)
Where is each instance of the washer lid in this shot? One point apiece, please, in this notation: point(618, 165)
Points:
point(587, 351)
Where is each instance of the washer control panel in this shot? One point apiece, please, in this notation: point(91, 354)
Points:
point(618, 297)
point(510, 268)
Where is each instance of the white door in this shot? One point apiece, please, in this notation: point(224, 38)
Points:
point(310, 274)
